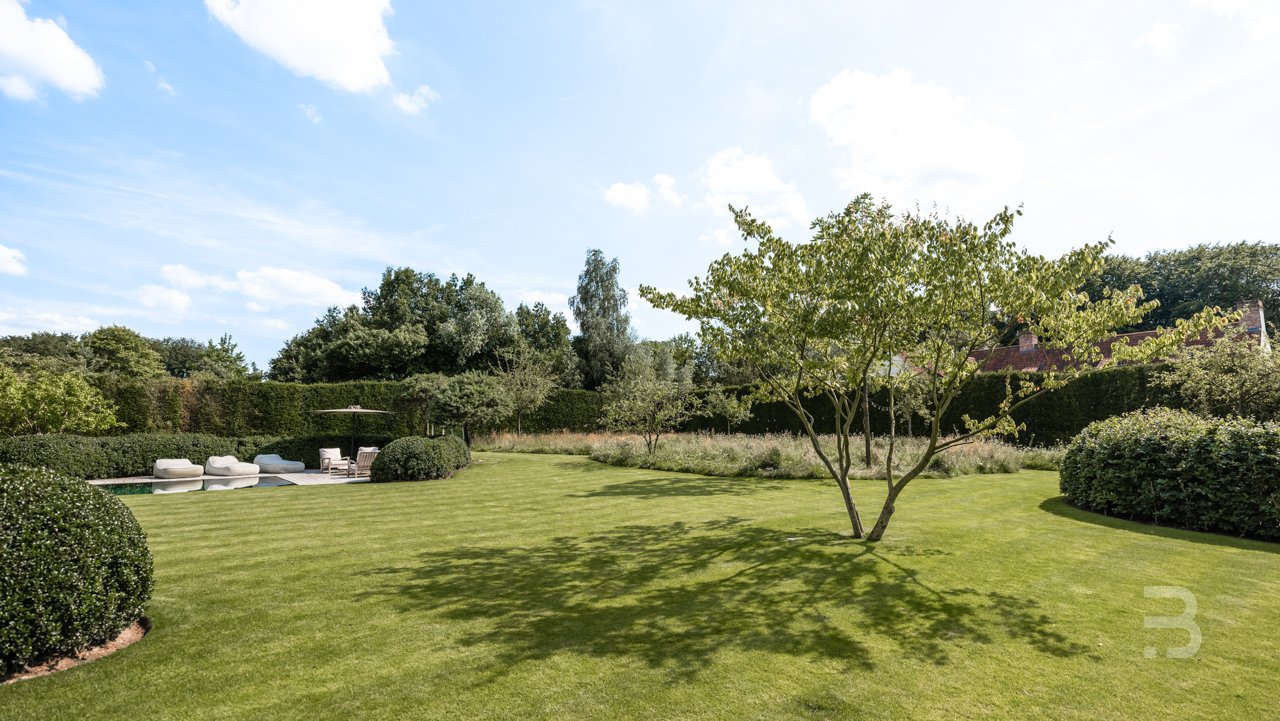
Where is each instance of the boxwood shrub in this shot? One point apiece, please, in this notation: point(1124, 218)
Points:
point(76, 569)
point(91, 457)
point(415, 458)
point(1178, 469)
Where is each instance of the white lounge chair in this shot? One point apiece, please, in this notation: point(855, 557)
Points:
point(176, 475)
point(238, 474)
point(273, 463)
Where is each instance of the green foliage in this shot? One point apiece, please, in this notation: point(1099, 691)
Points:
point(422, 392)
point(733, 408)
point(548, 335)
point(416, 458)
point(1187, 280)
point(529, 380)
point(650, 397)
point(1178, 469)
point(45, 403)
point(600, 307)
point(474, 399)
point(412, 323)
point(55, 353)
point(1234, 376)
point(117, 349)
point(91, 457)
point(76, 569)
point(829, 317)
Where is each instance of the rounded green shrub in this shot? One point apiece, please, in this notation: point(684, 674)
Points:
point(415, 458)
point(1178, 469)
point(75, 571)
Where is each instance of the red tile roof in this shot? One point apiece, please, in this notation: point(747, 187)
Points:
point(1039, 358)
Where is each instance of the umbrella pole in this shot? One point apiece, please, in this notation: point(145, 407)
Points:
point(353, 437)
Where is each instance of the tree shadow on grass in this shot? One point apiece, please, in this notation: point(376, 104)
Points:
point(674, 596)
point(681, 486)
point(1059, 507)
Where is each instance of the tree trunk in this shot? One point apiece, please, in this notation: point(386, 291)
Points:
point(866, 424)
point(855, 520)
point(518, 431)
point(466, 434)
point(886, 512)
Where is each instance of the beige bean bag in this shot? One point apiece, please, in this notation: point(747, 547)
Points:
point(176, 468)
point(228, 466)
point(272, 463)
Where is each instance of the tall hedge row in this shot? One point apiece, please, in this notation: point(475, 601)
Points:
point(1178, 469)
point(134, 455)
point(243, 408)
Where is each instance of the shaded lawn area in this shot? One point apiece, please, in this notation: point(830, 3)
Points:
point(552, 587)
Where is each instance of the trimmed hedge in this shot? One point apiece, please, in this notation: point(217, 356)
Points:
point(1051, 419)
point(416, 458)
point(91, 457)
point(248, 408)
point(1178, 469)
point(76, 569)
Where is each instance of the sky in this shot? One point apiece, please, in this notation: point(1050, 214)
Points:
point(192, 168)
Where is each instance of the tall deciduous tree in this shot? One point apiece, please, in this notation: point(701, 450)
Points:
point(824, 318)
point(604, 327)
point(1186, 280)
point(424, 391)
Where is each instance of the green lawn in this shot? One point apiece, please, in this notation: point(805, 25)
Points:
point(552, 587)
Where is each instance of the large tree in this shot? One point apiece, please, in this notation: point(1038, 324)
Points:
point(604, 327)
point(411, 323)
point(117, 349)
point(827, 317)
point(1187, 280)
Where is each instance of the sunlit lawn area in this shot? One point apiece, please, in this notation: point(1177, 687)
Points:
point(553, 587)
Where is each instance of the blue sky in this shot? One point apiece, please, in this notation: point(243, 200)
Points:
point(192, 168)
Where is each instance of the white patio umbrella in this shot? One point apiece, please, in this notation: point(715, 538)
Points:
point(354, 412)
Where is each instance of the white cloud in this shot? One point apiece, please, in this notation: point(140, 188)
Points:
point(667, 189)
point(12, 261)
point(415, 103)
point(312, 114)
point(275, 324)
point(723, 237)
point(38, 51)
point(738, 178)
point(912, 141)
point(340, 43)
point(158, 297)
point(283, 286)
point(632, 196)
point(161, 83)
point(267, 287)
point(1260, 18)
point(18, 321)
point(1163, 40)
